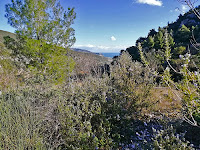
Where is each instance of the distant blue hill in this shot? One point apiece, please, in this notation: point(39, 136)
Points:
point(81, 50)
point(110, 55)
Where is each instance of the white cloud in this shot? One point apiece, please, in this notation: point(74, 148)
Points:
point(184, 8)
point(90, 45)
point(150, 2)
point(113, 38)
point(101, 48)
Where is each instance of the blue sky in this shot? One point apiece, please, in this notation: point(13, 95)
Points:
point(112, 25)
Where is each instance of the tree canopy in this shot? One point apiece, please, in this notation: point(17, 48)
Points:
point(44, 34)
point(42, 20)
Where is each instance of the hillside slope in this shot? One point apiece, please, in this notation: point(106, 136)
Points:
point(182, 36)
point(85, 60)
point(6, 33)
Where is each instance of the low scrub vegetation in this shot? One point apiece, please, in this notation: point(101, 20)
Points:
point(108, 112)
point(54, 98)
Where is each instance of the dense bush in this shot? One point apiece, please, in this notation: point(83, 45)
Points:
point(94, 113)
point(101, 113)
point(19, 121)
point(86, 114)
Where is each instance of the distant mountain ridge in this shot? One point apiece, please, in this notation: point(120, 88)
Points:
point(84, 51)
point(81, 50)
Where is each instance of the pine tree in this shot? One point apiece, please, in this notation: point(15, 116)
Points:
point(44, 34)
point(158, 39)
point(150, 42)
point(184, 35)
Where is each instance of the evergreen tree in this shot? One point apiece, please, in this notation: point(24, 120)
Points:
point(44, 34)
point(171, 41)
point(140, 40)
point(184, 35)
point(144, 44)
point(42, 20)
point(134, 52)
point(150, 42)
point(167, 45)
point(152, 32)
point(158, 39)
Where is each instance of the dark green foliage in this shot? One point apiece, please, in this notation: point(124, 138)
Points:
point(140, 40)
point(179, 51)
point(183, 35)
point(192, 132)
point(152, 33)
point(134, 52)
point(167, 140)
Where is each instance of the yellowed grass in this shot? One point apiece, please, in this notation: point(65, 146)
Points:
point(166, 102)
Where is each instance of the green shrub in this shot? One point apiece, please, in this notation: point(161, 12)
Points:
point(19, 122)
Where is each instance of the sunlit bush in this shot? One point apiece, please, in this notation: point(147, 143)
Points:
point(19, 121)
